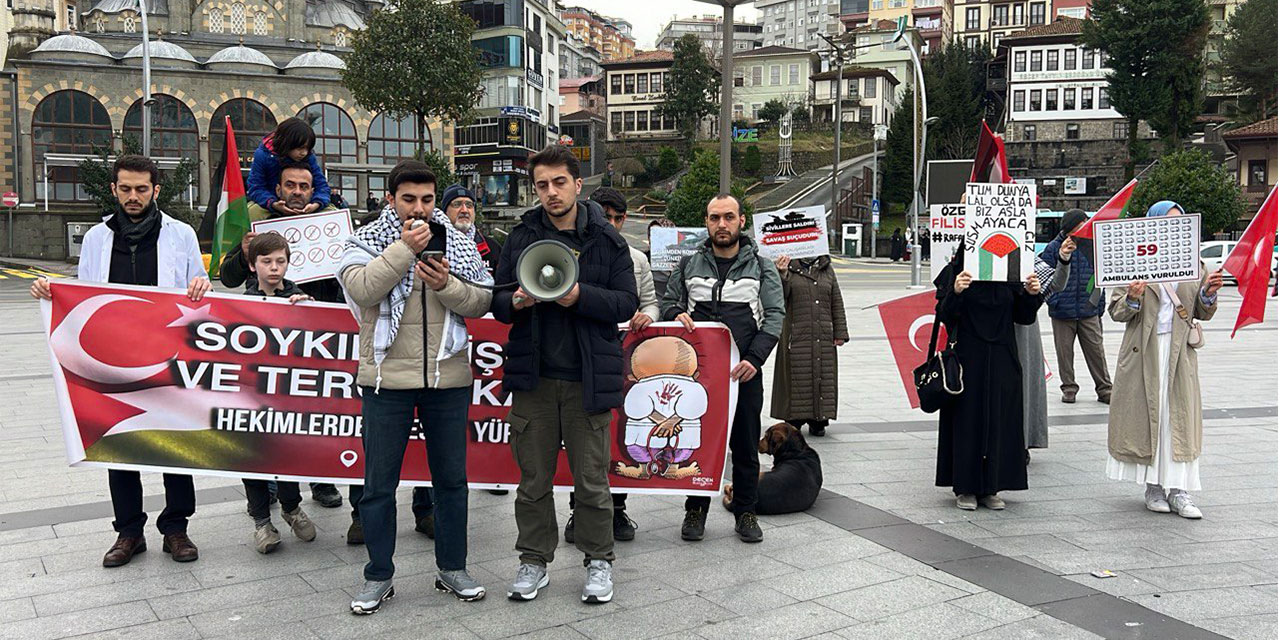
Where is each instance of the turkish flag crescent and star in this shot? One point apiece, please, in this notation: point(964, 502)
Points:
point(908, 323)
point(260, 388)
point(1250, 263)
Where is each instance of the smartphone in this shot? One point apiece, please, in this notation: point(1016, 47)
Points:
point(427, 256)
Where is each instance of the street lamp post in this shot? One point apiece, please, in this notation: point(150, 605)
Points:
point(837, 113)
point(919, 138)
point(726, 88)
point(146, 81)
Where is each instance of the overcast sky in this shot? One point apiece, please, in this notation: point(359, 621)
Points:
point(647, 17)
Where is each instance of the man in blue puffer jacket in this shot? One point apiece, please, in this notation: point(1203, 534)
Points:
point(1077, 310)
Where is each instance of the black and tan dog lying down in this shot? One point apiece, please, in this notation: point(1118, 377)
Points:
point(796, 477)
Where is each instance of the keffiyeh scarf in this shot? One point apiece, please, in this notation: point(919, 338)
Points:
point(464, 261)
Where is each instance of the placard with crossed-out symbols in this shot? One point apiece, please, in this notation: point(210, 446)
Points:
point(315, 242)
point(1164, 249)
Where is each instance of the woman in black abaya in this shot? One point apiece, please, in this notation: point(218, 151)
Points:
point(980, 439)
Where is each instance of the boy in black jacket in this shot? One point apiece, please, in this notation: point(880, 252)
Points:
point(268, 258)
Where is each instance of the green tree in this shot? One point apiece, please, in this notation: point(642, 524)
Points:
point(96, 178)
point(669, 162)
point(800, 115)
point(1155, 53)
point(440, 166)
point(692, 92)
point(688, 204)
point(773, 110)
point(897, 174)
point(415, 57)
point(956, 81)
point(1249, 56)
point(1192, 179)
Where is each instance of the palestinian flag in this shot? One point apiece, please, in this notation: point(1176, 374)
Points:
point(1115, 208)
point(999, 258)
point(228, 209)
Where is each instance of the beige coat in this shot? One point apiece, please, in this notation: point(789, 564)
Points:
point(1135, 399)
point(404, 366)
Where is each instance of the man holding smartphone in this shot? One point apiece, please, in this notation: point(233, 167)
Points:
point(409, 277)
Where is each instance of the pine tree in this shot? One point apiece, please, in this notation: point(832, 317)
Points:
point(898, 177)
point(1155, 53)
point(1249, 56)
point(693, 90)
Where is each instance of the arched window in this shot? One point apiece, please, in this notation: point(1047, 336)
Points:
point(100, 25)
point(250, 119)
point(173, 128)
point(335, 142)
point(390, 141)
point(339, 38)
point(216, 24)
point(130, 26)
point(237, 18)
point(260, 23)
point(67, 122)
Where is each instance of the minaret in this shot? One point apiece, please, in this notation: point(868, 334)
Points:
point(33, 22)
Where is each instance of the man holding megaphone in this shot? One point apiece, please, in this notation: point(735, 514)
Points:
point(563, 367)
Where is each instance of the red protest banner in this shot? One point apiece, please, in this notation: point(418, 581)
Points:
point(908, 323)
point(246, 387)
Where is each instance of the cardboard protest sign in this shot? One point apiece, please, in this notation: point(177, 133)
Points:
point(1164, 249)
point(249, 387)
point(797, 233)
point(315, 242)
point(667, 245)
point(946, 229)
point(1000, 231)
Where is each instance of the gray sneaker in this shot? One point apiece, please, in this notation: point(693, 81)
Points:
point(266, 538)
point(599, 586)
point(529, 579)
point(371, 597)
point(301, 524)
point(461, 584)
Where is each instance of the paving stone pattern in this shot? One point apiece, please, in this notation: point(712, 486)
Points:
point(810, 578)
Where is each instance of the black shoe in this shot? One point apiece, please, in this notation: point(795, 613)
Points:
point(818, 430)
point(748, 528)
point(695, 525)
point(427, 525)
point(498, 492)
point(624, 528)
point(355, 534)
point(327, 495)
point(1028, 460)
point(568, 530)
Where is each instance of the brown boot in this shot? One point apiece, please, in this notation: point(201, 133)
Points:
point(180, 547)
point(123, 551)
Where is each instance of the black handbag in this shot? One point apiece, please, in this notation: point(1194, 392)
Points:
point(941, 378)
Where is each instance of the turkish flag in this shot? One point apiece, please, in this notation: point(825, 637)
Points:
point(908, 323)
point(1250, 263)
point(1114, 208)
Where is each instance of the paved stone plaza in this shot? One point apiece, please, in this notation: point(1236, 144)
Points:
point(884, 553)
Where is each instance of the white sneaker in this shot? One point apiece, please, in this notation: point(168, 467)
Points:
point(599, 586)
point(1155, 499)
point(993, 502)
point(1181, 504)
point(967, 501)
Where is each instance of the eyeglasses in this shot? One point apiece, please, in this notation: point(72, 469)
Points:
point(462, 204)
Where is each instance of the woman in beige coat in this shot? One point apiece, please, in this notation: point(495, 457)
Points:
point(1155, 428)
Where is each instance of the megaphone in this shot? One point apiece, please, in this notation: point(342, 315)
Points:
point(547, 270)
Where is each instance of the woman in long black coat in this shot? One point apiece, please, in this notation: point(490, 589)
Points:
point(896, 245)
point(980, 439)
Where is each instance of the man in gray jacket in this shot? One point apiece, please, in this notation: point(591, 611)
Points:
point(413, 356)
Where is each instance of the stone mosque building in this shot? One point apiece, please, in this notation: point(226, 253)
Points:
point(74, 86)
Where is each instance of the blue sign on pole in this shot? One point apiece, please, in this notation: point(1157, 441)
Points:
point(875, 213)
point(875, 205)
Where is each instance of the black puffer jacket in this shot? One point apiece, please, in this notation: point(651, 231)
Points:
point(607, 296)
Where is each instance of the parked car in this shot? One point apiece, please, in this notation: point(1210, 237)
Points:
point(1215, 252)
